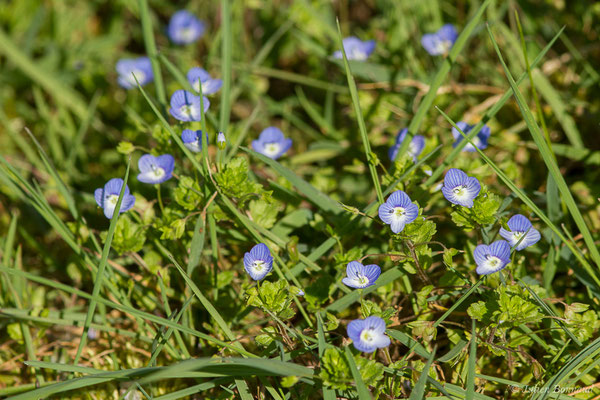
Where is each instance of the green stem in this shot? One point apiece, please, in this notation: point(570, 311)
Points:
point(159, 197)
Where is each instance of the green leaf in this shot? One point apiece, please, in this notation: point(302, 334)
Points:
point(125, 148)
point(188, 193)
point(128, 236)
point(264, 213)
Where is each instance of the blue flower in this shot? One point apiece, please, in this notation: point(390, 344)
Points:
point(361, 276)
point(128, 67)
point(198, 76)
point(414, 148)
point(258, 262)
point(107, 198)
point(519, 227)
point(221, 141)
point(272, 143)
point(481, 140)
point(185, 106)
point(193, 140)
point(368, 334)
point(184, 28)
point(356, 49)
point(155, 169)
point(459, 188)
point(398, 210)
point(491, 258)
point(440, 42)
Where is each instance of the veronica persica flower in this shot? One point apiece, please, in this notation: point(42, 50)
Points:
point(184, 28)
point(107, 197)
point(199, 77)
point(221, 141)
point(520, 227)
point(440, 42)
point(258, 262)
point(491, 258)
point(128, 67)
point(480, 141)
point(193, 140)
point(398, 210)
point(155, 169)
point(185, 106)
point(272, 143)
point(368, 334)
point(459, 188)
point(361, 276)
point(356, 49)
point(414, 148)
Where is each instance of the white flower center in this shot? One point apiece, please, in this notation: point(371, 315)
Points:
point(412, 149)
point(362, 280)
point(186, 110)
point(460, 191)
point(141, 77)
point(272, 149)
point(157, 172)
point(187, 34)
point(399, 211)
point(493, 261)
point(258, 265)
point(518, 235)
point(112, 200)
point(357, 54)
point(367, 336)
point(443, 46)
point(197, 84)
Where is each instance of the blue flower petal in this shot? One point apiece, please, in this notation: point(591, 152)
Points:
point(455, 177)
point(354, 329)
point(114, 186)
point(99, 196)
point(372, 272)
point(398, 199)
point(354, 269)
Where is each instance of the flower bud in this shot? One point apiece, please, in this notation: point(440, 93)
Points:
point(221, 141)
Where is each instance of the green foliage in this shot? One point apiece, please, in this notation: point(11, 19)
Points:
point(335, 370)
point(235, 180)
point(274, 297)
point(483, 211)
point(128, 236)
point(188, 193)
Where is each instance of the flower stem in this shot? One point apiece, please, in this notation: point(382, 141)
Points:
point(160, 203)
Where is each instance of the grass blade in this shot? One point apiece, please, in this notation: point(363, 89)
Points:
point(548, 158)
point(361, 388)
point(440, 76)
point(472, 363)
point(152, 53)
point(359, 117)
point(101, 268)
point(521, 195)
point(488, 115)
point(418, 392)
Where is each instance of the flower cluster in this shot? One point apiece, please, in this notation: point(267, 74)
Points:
point(397, 211)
